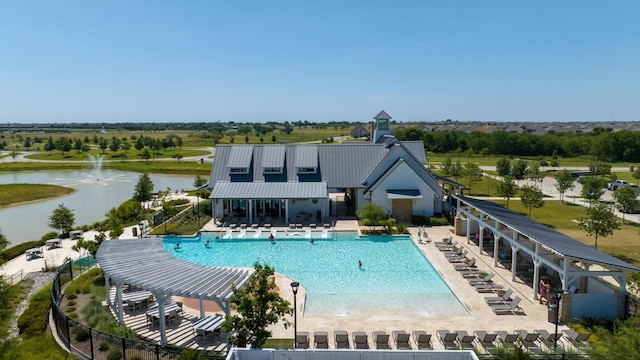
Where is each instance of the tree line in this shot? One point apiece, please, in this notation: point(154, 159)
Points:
point(602, 143)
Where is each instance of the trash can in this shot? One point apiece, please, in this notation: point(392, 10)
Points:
point(631, 168)
point(134, 231)
point(552, 313)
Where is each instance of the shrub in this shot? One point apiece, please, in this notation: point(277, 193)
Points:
point(419, 220)
point(134, 357)
point(438, 221)
point(104, 346)
point(71, 302)
point(82, 335)
point(402, 228)
point(114, 354)
point(71, 297)
point(33, 321)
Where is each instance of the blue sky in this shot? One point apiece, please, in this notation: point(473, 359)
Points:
point(257, 61)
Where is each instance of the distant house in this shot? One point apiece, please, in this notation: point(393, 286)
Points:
point(360, 131)
point(288, 181)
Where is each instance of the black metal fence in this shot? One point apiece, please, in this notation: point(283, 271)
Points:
point(563, 356)
point(88, 343)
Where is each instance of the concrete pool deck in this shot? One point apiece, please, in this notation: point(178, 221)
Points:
point(480, 316)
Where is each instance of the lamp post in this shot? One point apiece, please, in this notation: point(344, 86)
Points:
point(555, 338)
point(294, 287)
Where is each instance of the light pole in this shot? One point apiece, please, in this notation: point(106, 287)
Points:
point(555, 337)
point(294, 287)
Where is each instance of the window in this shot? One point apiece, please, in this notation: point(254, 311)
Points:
point(306, 170)
point(238, 171)
point(271, 170)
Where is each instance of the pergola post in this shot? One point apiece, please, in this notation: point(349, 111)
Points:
point(119, 301)
point(161, 320)
point(107, 287)
point(201, 307)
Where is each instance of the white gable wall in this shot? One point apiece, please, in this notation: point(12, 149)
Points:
point(403, 178)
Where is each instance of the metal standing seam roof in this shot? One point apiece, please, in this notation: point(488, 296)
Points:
point(382, 115)
point(404, 194)
point(146, 264)
point(240, 157)
point(273, 156)
point(546, 236)
point(269, 190)
point(306, 156)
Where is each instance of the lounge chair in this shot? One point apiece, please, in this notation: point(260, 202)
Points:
point(485, 280)
point(470, 273)
point(549, 340)
point(445, 243)
point(292, 225)
point(381, 339)
point(462, 258)
point(455, 252)
point(321, 340)
point(577, 339)
point(465, 340)
point(508, 340)
point(505, 298)
point(341, 338)
point(422, 340)
point(467, 266)
point(233, 225)
point(401, 338)
point(228, 234)
point(302, 340)
point(447, 338)
point(258, 233)
point(510, 308)
point(486, 340)
point(242, 234)
point(267, 222)
point(487, 287)
point(243, 223)
point(529, 340)
point(254, 225)
point(360, 340)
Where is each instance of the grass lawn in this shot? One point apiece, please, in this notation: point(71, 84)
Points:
point(18, 193)
point(491, 160)
point(132, 154)
point(623, 244)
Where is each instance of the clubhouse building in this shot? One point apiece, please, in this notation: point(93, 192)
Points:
point(288, 183)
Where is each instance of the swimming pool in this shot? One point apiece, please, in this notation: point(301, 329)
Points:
point(394, 277)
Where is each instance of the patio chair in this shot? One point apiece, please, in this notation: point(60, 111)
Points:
point(576, 339)
point(485, 280)
point(422, 340)
point(321, 340)
point(508, 340)
point(483, 288)
point(486, 340)
point(401, 338)
point(549, 340)
point(529, 340)
point(360, 340)
point(505, 298)
point(341, 338)
point(302, 340)
point(510, 308)
point(447, 338)
point(454, 252)
point(445, 243)
point(466, 266)
point(465, 340)
point(381, 339)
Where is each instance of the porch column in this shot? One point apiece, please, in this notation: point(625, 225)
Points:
point(468, 225)
point(536, 277)
point(286, 211)
point(496, 248)
point(481, 238)
point(250, 211)
point(514, 261)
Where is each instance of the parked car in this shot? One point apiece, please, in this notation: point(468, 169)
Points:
point(612, 185)
point(634, 210)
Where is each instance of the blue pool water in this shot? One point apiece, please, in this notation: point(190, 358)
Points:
point(395, 275)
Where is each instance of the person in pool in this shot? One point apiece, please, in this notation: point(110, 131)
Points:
point(359, 264)
point(176, 246)
point(206, 243)
point(272, 238)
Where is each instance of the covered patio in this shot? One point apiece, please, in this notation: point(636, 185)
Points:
point(145, 265)
point(594, 283)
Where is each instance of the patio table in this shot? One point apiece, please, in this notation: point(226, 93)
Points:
point(153, 313)
point(207, 325)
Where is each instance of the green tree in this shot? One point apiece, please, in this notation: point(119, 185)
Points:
point(371, 215)
point(592, 188)
point(636, 175)
point(146, 155)
point(144, 188)
point(621, 343)
point(531, 197)
point(199, 181)
point(168, 211)
point(62, 219)
point(457, 170)
point(446, 166)
point(103, 145)
point(507, 189)
point(534, 174)
point(256, 307)
point(4, 242)
point(599, 222)
point(473, 173)
point(503, 167)
point(519, 169)
point(564, 182)
point(627, 199)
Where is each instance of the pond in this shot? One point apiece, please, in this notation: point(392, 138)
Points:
point(94, 196)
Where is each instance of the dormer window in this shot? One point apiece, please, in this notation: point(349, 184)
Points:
point(272, 170)
point(307, 170)
point(238, 170)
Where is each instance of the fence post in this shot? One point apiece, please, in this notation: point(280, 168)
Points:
point(124, 349)
point(71, 269)
point(91, 341)
point(66, 319)
point(157, 352)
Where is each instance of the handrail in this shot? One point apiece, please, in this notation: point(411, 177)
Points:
point(13, 277)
